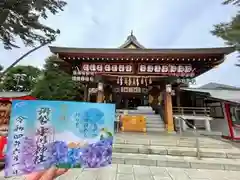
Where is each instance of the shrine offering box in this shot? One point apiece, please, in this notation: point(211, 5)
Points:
point(133, 123)
point(58, 133)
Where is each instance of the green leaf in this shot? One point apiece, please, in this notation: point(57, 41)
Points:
point(109, 134)
point(55, 84)
point(21, 78)
point(24, 19)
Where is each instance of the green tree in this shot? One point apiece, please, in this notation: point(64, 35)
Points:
point(1, 78)
point(230, 32)
point(23, 19)
point(21, 78)
point(55, 84)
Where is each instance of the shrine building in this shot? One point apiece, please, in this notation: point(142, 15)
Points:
point(132, 75)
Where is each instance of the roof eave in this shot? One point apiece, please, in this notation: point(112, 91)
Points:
point(218, 51)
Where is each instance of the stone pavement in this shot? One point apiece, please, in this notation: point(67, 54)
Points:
point(136, 172)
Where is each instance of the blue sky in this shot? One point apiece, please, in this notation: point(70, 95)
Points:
point(155, 23)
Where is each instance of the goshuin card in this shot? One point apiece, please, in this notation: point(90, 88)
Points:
point(58, 133)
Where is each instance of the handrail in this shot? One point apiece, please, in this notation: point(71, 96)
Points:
point(192, 107)
point(195, 134)
point(195, 111)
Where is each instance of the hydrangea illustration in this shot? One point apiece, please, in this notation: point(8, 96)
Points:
point(59, 152)
point(98, 154)
point(74, 155)
point(8, 157)
point(28, 153)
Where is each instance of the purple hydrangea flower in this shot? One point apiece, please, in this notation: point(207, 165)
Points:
point(29, 148)
point(98, 154)
point(59, 152)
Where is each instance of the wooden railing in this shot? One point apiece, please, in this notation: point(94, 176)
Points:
point(193, 111)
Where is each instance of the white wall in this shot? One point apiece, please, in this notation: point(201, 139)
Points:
point(236, 132)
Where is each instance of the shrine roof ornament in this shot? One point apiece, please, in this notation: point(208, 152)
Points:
point(132, 43)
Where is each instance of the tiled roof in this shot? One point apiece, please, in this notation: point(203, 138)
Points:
point(131, 39)
point(13, 94)
point(218, 86)
point(230, 95)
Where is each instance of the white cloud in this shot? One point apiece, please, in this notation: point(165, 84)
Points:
point(68, 137)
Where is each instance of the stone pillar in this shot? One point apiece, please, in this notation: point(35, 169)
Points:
point(207, 125)
point(100, 92)
point(168, 112)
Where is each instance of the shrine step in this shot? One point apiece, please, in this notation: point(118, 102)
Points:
point(177, 151)
point(156, 129)
point(173, 141)
point(154, 122)
point(157, 119)
point(152, 116)
point(176, 161)
point(157, 125)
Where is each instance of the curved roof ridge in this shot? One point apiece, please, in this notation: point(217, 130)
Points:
point(131, 39)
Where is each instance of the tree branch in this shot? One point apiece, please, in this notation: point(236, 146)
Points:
point(23, 56)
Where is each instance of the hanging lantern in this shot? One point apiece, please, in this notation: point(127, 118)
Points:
point(168, 88)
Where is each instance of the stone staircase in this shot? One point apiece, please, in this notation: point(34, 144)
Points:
point(154, 121)
point(174, 151)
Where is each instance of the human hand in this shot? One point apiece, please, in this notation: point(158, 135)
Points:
point(49, 174)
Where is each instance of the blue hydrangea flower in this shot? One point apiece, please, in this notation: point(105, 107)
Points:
point(74, 156)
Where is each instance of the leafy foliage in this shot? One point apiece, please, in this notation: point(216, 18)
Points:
point(1, 83)
point(230, 32)
point(22, 18)
point(57, 84)
point(21, 78)
point(234, 2)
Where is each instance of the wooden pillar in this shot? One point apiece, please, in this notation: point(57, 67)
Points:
point(178, 93)
point(100, 93)
point(168, 112)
